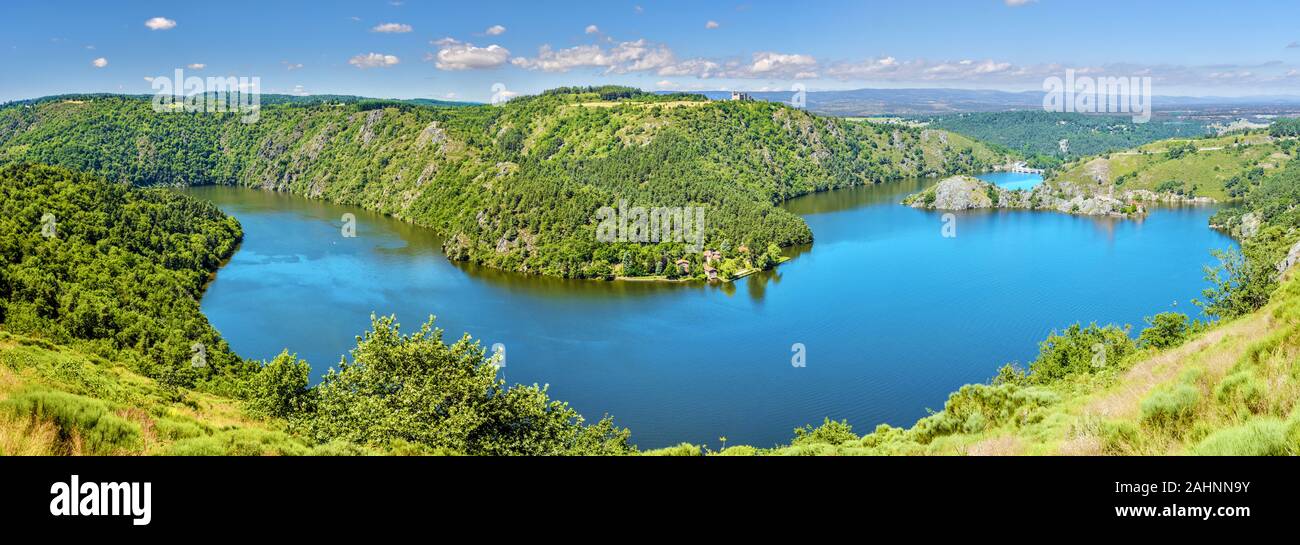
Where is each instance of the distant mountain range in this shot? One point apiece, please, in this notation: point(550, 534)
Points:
point(867, 102)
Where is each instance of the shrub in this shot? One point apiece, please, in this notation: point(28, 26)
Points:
point(240, 442)
point(831, 432)
point(176, 428)
point(280, 389)
point(1079, 350)
point(78, 419)
point(740, 450)
point(683, 449)
point(978, 407)
point(1119, 436)
point(1165, 330)
point(1010, 374)
point(1242, 390)
point(1260, 438)
point(1170, 407)
point(1239, 284)
point(418, 389)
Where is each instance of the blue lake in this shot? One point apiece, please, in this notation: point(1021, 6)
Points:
point(893, 316)
point(1012, 180)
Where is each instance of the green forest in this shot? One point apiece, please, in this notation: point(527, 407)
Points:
point(105, 350)
point(514, 186)
point(1037, 135)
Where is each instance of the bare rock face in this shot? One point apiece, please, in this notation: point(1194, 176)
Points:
point(1250, 226)
point(966, 193)
point(961, 193)
point(1292, 257)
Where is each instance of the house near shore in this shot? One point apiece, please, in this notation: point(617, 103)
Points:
point(739, 96)
point(684, 266)
point(712, 255)
point(711, 272)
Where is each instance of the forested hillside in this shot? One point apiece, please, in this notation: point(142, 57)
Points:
point(1220, 168)
point(105, 382)
point(104, 350)
point(1037, 134)
point(114, 268)
point(514, 186)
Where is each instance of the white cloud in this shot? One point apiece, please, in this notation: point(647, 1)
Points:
point(373, 60)
point(495, 30)
point(454, 55)
point(777, 63)
point(291, 65)
point(664, 84)
point(196, 66)
point(99, 63)
point(592, 29)
point(637, 56)
point(160, 23)
point(1018, 3)
point(392, 28)
point(711, 25)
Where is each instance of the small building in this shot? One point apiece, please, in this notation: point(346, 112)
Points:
point(684, 265)
point(711, 272)
point(712, 255)
point(743, 249)
point(737, 95)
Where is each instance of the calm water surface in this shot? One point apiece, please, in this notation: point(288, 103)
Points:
point(1012, 180)
point(893, 315)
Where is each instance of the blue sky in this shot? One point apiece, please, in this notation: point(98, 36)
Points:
point(458, 50)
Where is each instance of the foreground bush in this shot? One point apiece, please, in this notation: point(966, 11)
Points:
point(85, 425)
point(418, 390)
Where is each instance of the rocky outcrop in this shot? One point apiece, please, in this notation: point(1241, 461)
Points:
point(1292, 257)
point(957, 193)
point(967, 193)
point(1250, 225)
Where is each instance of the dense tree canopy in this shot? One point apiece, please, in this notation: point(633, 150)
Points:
point(1037, 134)
point(113, 267)
point(515, 186)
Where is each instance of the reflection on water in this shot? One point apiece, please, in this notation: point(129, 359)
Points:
point(893, 315)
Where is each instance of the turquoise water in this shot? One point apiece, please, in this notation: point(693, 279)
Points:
point(892, 316)
point(1012, 180)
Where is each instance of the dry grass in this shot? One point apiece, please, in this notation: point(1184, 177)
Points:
point(1216, 350)
point(1002, 445)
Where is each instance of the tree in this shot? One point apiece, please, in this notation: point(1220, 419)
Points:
point(445, 398)
point(1238, 285)
point(280, 388)
point(1165, 330)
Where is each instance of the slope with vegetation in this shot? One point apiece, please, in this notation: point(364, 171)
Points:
point(1128, 183)
point(1180, 387)
point(1037, 134)
point(103, 349)
point(1219, 168)
point(1226, 387)
point(515, 186)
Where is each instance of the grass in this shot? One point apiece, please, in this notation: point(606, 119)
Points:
point(1218, 160)
point(58, 400)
